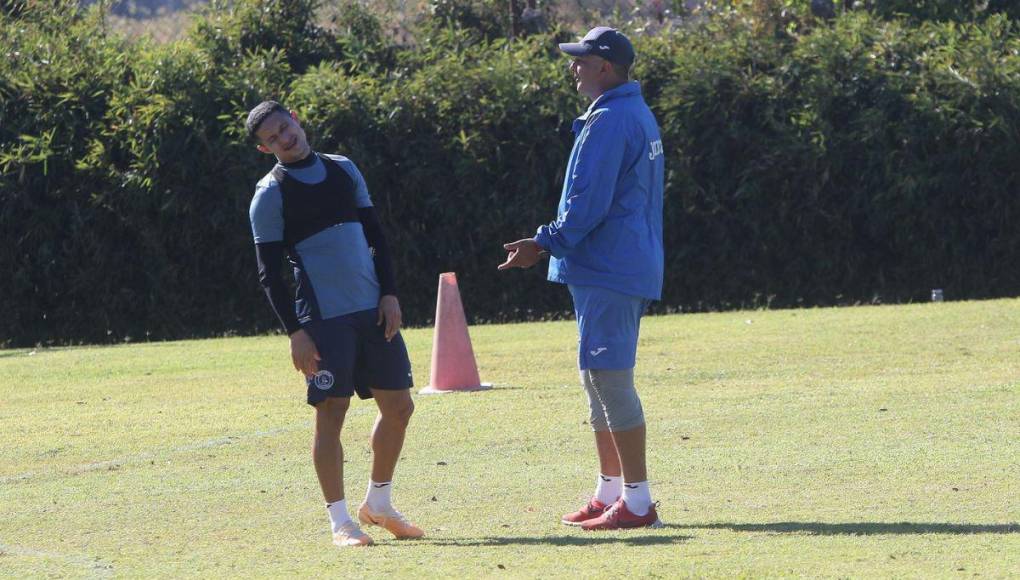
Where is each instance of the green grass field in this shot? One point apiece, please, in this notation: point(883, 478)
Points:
point(854, 442)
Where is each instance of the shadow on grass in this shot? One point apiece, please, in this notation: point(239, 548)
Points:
point(585, 540)
point(861, 528)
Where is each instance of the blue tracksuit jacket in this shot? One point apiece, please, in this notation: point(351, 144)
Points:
point(608, 230)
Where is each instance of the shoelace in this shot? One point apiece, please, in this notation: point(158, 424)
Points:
point(350, 530)
point(611, 512)
point(392, 513)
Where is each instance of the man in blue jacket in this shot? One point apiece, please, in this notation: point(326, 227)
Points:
point(606, 246)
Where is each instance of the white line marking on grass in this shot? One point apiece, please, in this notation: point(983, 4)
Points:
point(112, 464)
point(97, 567)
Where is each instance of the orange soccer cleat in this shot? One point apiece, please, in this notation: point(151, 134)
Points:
point(392, 520)
point(351, 536)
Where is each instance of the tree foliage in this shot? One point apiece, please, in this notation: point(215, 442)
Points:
point(866, 158)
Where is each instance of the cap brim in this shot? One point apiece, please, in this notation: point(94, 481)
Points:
point(575, 48)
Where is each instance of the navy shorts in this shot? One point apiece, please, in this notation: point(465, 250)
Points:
point(355, 357)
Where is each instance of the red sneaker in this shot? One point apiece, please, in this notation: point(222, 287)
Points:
point(618, 517)
point(593, 510)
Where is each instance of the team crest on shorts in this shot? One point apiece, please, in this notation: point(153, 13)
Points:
point(323, 380)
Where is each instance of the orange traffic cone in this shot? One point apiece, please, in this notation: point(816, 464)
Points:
point(453, 359)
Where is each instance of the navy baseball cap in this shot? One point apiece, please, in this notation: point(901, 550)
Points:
point(608, 43)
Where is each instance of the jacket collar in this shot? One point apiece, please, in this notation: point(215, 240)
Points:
point(627, 89)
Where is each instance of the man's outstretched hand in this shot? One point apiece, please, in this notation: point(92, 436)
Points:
point(522, 254)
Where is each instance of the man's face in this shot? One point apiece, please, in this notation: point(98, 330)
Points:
point(281, 135)
point(590, 73)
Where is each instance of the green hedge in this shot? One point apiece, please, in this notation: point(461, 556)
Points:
point(865, 159)
point(943, 10)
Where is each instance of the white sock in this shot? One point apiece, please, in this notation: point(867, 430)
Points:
point(638, 497)
point(378, 496)
point(607, 488)
point(338, 515)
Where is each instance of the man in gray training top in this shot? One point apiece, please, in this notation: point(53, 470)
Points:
point(606, 246)
point(344, 323)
